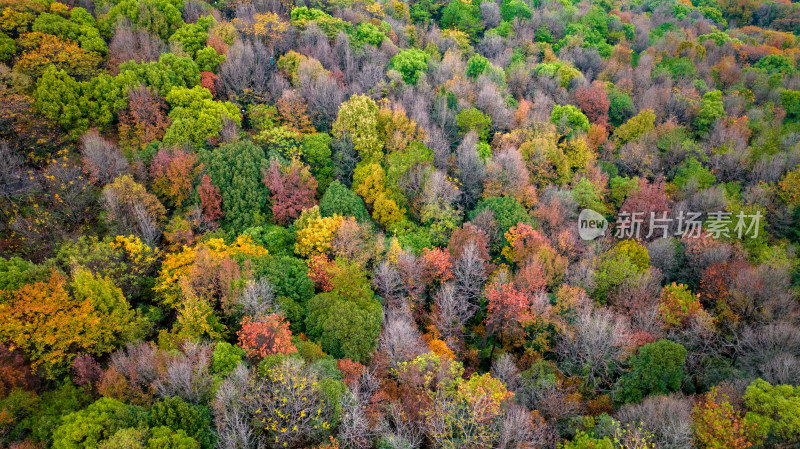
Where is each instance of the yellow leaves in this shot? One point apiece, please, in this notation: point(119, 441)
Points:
point(316, 237)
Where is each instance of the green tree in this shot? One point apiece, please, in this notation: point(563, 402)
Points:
point(196, 117)
point(317, 151)
point(338, 199)
point(463, 16)
point(347, 320)
point(177, 414)
point(208, 60)
point(509, 9)
point(237, 169)
point(774, 410)
point(102, 419)
point(160, 17)
point(476, 65)
point(711, 110)
point(166, 438)
point(471, 119)
point(191, 36)
point(620, 107)
point(410, 63)
point(163, 75)
point(569, 120)
point(656, 369)
point(358, 121)
point(507, 211)
point(693, 172)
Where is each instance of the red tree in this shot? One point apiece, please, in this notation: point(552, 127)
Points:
point(172, 173)
point(291, 190)
point(593, 101)
point(648, 198)
point(436, 265)
point(210, 200)
point(507, 307)
point(266, 337)
point(209, 81)
point(145, 120)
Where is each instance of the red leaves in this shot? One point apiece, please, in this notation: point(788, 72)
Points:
point(291, 190)
point(210, 199)
point(594, 102)
point(266, 337)
point(173, 173)
point(507, 306)
point(436, 265)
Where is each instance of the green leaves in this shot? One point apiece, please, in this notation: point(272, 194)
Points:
point(656, 369)
point(410, 63)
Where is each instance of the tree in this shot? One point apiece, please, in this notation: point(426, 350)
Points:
point(509, 9)
point(462, 16)
point(719, 425)
point(711, 109)
point(569, 120)
point(471, 119)
point(173, 173)
point(236, 169)
point(132, 210)
point(266, 336)
point(160, 17)
point(679, 305)
point(289, 406)
point(594, 102)
point(196, 117)
point(144, 120)
point(656, 369)
point(292, 189)
point(53, 321)
point(317, 152)
point(410, 63)
point(42, 51)
point(179, 416)
point(339, 200)
point(774, 411)
point(125, 260)
point(507, 212)
point(347, 320)
point(620, 106)
point(358, 121)
point(101, 159)
point(100, 421)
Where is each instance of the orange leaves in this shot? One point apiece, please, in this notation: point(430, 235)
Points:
point(268, 336)
point(173, 173)
point(718, 425)
point(46, 50)
point(679, 305)
point(507, 306)
point(52, 326)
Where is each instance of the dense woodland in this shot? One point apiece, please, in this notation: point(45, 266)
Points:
point(353, 224)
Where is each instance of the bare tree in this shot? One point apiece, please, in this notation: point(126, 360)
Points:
point(257, 298)
point(400, 339)
point(232, 415)
point(668, 418)
point(453, 311)
point(388, 284)
point(470, 274)
point(471, 169)
point(595, 347)
point(102, 160)
point(246, 72)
